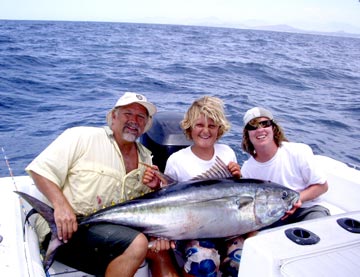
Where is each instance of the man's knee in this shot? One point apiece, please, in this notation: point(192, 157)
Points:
point(139, 246)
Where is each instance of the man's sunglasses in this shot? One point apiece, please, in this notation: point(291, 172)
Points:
point(261, 124)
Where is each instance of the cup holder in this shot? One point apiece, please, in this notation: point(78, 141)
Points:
point(349, 224)
point(301, 236)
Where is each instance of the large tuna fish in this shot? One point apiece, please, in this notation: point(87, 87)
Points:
point(212, 208)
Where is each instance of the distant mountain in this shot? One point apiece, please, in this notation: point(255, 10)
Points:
point(290, 29)
point(279, 28)
point(325, 29)
point(258, 25)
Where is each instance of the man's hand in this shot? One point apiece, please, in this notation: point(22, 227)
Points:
point(64, 216)
point(66, 222)
point(150, 179)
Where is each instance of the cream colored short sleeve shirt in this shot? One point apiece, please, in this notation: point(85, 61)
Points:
point(87, 165)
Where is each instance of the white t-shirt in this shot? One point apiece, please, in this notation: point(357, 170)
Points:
point(184, 165)
point(292, 166)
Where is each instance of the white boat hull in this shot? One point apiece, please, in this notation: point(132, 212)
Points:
point(270, 253)
point(336, 254)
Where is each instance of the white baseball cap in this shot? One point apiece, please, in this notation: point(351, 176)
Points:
point(256, 112)
point(132, 97)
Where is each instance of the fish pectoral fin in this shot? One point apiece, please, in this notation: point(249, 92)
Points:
point(218, 170)
point(244, 200)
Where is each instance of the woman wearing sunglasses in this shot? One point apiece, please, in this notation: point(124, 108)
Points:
point(290, 164)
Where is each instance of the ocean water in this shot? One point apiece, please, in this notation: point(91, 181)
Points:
point(55, 75)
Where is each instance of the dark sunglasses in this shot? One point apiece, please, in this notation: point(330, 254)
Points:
point(261, 124)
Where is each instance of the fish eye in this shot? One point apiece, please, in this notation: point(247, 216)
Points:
point(284, 194)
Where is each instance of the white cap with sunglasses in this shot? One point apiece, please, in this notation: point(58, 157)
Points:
point(255, 113)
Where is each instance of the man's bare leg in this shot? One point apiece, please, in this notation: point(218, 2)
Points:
point(128, 263)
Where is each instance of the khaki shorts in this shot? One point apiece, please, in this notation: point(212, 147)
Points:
point(302, 214)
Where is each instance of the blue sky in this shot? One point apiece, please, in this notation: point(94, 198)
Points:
point(320, 15)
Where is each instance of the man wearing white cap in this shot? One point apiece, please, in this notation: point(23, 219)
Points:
point(88, 168)
point(274, 158)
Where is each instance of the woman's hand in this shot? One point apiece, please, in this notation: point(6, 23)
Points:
point(292, 210)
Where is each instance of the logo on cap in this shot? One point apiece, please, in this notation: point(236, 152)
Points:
point(138, 96)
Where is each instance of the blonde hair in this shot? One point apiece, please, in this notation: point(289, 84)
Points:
point(209, 106)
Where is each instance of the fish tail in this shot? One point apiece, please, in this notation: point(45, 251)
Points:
point(48, 214)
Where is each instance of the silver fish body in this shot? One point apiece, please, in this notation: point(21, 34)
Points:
point(210, 208)
point(213, 208)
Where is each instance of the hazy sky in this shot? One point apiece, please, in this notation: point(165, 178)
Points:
point(308, 14)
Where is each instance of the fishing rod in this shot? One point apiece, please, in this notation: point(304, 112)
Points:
point(9, 168)
point(23, 208)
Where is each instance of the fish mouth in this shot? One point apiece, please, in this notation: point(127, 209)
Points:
point(294, 200)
